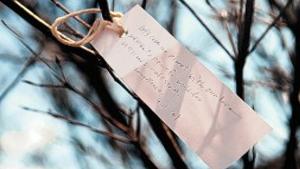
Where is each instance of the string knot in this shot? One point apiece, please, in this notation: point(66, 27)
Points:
point(98, 26)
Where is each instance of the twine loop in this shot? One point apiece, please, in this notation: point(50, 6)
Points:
point(98, 26)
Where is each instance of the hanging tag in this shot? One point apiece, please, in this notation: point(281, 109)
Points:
point(198, 107)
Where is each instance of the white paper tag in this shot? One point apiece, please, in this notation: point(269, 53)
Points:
point(199, 108)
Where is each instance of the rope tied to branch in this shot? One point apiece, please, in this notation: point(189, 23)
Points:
point(97, 27)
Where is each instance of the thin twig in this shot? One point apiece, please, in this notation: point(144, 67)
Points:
point(138, 122)
point(230, 37)
point(78, 123)
point(211, 6)
point(31, 61)
point(27, 65)
point(66, 10)
point(241, 11)
point(96, 107)
point(68, 86)
point(57, 61)
point(71, 31)
point(206, 27)
point(36, 56)
point(44, 85)
point(270, 27)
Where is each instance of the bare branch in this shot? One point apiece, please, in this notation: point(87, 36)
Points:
point(211, 6)
point(68, 86)
point(144, 4)
point(67, 11)
point(78, 123)
point(71, 31)
point(206, 28)
point(27, 65)
point(44, 85)
point(57, 61)
point(138, 122)
point(105, 10)
point(282, 11)
point(243, 47)
point(241, 11)
point(230, 37)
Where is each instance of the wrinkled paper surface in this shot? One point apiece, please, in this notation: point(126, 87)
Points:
point(199, 108)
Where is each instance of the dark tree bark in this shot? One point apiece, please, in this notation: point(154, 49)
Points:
point(243, 50)
point(294, 123)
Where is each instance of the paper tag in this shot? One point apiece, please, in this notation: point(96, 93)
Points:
point(199, 108)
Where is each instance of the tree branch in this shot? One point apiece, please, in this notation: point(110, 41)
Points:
point(282, 11)
point(26, 66)
point(105, 10)
point(243, 47)
point(144, 4)
point(206, 27)
point(78, 123)
point(63, 8)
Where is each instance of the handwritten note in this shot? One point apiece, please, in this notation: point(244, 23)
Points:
point(200, 109)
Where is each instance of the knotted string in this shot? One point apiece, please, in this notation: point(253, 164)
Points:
point(98, 26)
